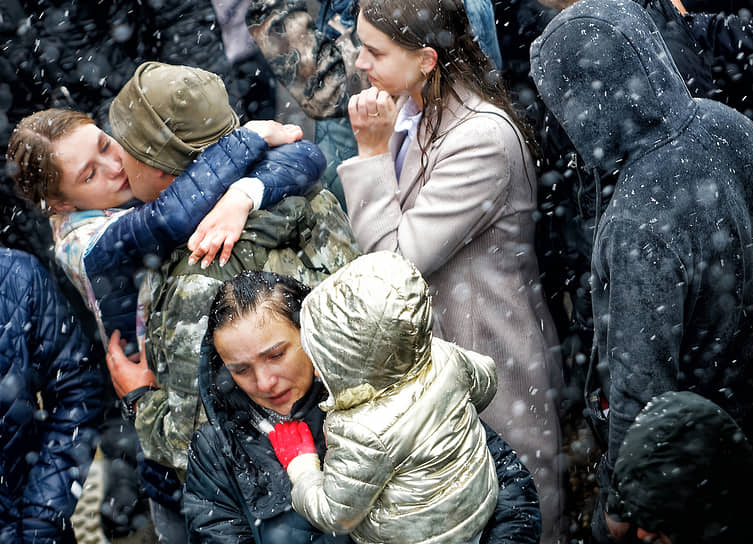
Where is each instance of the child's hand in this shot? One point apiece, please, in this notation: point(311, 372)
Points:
point(291, 439)
point(275, 133)
point(221, 227)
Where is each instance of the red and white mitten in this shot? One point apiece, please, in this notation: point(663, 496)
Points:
point(294, 447)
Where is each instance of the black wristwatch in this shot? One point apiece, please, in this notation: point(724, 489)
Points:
point(129, 400)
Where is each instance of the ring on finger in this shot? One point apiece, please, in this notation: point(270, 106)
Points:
point(375, 114)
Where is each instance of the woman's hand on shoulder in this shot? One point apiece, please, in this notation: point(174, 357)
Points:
point(372, 116)
point(275, 133)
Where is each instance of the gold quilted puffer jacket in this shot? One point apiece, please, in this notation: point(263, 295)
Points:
point(406, 458)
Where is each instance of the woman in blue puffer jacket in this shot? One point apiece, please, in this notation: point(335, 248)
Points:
point(50, 405)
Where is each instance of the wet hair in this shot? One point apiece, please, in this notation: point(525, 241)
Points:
point(31, 158)
point(443, 25)
point(248, 292)
point(254, 290)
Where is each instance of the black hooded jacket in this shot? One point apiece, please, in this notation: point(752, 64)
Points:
point(671, 264)
point(567, 203)
point(685, 469)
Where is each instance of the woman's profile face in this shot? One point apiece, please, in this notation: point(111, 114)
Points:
point(91, 171)
point(263, 353)
point(389, 67)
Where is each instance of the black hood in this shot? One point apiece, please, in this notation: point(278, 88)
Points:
point(685, 468)
point(604, 71)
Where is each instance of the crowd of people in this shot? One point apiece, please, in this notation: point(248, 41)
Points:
point(513, 221)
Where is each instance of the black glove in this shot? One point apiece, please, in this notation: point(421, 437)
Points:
point(123, 509)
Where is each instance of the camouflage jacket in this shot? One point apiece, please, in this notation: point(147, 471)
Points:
point(304, 237)
point(315, 62)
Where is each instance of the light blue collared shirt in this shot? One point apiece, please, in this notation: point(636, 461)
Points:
point(408, 119)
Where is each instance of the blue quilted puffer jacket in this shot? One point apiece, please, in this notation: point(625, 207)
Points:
point(50, 405)
point(157, 228)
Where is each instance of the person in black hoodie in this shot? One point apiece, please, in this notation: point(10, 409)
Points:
point(672, 252)
point(566, 203)
point(566, 211)
point(714, 54)
point(684, 473)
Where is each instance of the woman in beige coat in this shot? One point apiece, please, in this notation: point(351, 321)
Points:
point(444, 178)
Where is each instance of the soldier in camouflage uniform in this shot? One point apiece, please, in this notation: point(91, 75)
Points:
point(305, 237)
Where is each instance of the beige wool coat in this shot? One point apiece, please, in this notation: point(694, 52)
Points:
point(407, 459)
point(469, 229)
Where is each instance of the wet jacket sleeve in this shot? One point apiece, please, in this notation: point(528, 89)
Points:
point(453, 205)
point(638, 298)
point(212, 511)
point(337, 498)
point(319, 72)
point(167, 418)
point(72, 396)
point(516, 519)
point(483, 372)
point(289, 170)
point(158, 227)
